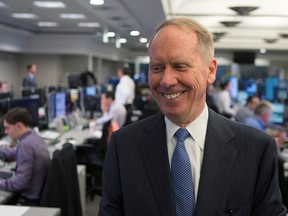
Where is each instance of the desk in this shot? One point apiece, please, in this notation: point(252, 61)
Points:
point(5, 195)
point(28, 211)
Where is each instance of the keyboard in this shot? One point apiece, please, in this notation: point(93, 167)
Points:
point(49, 134)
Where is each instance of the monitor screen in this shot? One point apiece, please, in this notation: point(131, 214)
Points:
point(60, 104)
point(242, 97)
point(278, 113)
point(31, 104)
point(90, 91)
point(271, 84)
point(251, 88)
point(56, 105)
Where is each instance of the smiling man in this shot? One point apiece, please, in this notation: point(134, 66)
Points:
point(230, 169)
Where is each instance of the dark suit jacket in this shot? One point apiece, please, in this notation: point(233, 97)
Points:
point(238, 175)
point(28, 82)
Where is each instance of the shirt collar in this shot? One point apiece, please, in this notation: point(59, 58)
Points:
point(24, 135)
point(197, 128)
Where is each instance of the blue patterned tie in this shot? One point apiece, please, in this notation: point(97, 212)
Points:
point(182, 177)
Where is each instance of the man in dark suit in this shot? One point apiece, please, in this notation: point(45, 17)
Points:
point(29, 80)
point(234, 167)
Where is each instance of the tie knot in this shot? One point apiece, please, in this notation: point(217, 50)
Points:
point(182, 134)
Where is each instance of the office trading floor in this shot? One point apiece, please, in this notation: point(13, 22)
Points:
point(92, 206)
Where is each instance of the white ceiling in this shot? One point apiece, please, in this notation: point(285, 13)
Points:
point(268, 21)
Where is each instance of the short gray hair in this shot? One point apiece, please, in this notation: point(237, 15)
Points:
point(206, 45)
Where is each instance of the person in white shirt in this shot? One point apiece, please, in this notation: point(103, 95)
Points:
point(224, 101)
point(111, 110)
point(125, 90)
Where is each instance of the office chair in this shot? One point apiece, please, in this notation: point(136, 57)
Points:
point(61, 188)
point(92, 154)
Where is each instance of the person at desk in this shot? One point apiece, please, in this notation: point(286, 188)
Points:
point(29, 80)
point(249, 108)
point(111, 110)
point(187, 159)
point(261, 119)
point(31, 155)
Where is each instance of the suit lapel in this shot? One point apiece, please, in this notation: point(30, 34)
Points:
point(155, 157)
point(218, 160)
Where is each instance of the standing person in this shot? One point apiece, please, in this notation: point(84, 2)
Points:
point(4, 87)
point(234, 168)
point(29, 80)
point(247, 110)
point(125, 89)
point(31, 155)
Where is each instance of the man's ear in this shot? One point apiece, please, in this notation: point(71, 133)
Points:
point(212, 71)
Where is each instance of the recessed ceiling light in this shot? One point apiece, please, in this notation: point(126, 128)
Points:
point(143, 40)
point(122, 40)
point(97, 2)
point(134, 33)
point(24, 16)
point(3, 5)
point(111, 34)
point(47, 24)
point(89, 24)
point(72, 16)
point(49, 4)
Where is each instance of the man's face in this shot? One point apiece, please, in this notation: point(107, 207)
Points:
point(12, 130)
point(178, 75)
point(4, 88)
point(33, 69)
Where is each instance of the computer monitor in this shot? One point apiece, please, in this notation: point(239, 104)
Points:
point(90, 91)
point(271, 84)
point(242, 97)
point(35, 93)
point(56, 105)
point(5, 95)
point(278, 113)
point(31, 104)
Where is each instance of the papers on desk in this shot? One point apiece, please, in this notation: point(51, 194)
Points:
point(4, 142)
point(49, 134)
point(13, 210)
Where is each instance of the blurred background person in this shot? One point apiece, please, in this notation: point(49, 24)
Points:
point(29, 80)
point(112, 110)
point(211, 98)
point(125, 89)
point(247, 110)
point(224, 101)
point(261, 120)
point(4, 87)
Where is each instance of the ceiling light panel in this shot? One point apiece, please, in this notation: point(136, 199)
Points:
point(89, 24)
point(3, 5)
point(96, 2)
point(24, 16)
point(49, 4)
point(134, 33)
point(47, 24)
point(72, 16)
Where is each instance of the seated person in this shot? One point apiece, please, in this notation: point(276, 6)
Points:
point(111, 110)
point(247, 110)
point(261, 119)
point(31, 155)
